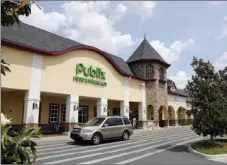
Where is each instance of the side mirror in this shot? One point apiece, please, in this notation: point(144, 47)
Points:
point(105, 125)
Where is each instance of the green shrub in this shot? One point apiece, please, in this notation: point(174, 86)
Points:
point(16, 147)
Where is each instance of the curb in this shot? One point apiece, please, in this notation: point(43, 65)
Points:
point(51, 138)
point(208, 157)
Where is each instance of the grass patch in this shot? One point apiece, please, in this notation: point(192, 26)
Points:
point(219, 146)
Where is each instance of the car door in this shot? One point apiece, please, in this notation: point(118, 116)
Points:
point(119, 126)
point(109, 130)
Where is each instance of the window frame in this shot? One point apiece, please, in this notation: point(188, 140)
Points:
point(57, 121)
point(82, 106)
point(63, 105)
point(149, 71)
point(161, 74)
point(95, 111)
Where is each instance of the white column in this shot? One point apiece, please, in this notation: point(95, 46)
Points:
point(176, 118)
point(168, 117)
point(102, 107)
point(32, 97)
point(124, 108)
point(72, 105)
point(142, 105)
point(124, 105)
point(31, 109)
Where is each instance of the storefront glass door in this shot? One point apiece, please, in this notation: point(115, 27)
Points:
point(83, 114)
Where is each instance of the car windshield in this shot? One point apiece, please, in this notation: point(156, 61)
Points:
point(95, 122)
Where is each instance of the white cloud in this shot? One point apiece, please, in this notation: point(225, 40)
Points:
point(119, 12)
point(221, 62)
point(223, 32)
point(94, 28)
point(142, 8)
point(181, 79)
point(91, 23)
point(85, 22)
point(225, 18)
point(172, 53)
point(44, 20)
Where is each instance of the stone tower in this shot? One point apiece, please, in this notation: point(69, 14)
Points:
point(146, 63)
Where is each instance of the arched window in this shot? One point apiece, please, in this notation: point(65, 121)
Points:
point(161, 74)
point(149, 71)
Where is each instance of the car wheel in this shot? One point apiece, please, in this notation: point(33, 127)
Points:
point(125, 135)
point(96, 138)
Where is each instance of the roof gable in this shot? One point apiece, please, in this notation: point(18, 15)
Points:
point(146, 52)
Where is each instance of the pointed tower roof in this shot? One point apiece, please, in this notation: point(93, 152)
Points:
point(145, 52)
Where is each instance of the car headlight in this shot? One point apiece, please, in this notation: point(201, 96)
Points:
point(87, 130)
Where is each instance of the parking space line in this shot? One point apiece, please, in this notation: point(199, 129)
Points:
point(128, 153)
point(156, 152)
point(122, 149)
point(61, 146)
point(113, 146)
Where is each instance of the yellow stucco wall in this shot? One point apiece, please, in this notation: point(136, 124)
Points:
point(12, 106)
point(20, 66)
point(135, 93)
point(57, 77)
point(58, 73)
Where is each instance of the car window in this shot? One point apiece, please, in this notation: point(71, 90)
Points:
point(118, 121)
point(126, 121)
point(114, 121)
point(110, 122)
point(95, 122)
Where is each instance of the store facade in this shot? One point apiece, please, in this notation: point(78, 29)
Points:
point(56, 80)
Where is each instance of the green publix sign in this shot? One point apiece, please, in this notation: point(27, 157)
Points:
point(90, 75)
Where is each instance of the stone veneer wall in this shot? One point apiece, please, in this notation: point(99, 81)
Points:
point(156, 91)
point(139, 69)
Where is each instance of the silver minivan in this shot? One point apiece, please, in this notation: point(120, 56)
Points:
point(103, 128)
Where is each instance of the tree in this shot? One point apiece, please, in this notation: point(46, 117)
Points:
point(223, 86)
point(10, 12)
point(209, 102)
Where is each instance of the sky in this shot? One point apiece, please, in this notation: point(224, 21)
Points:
point(177, 30)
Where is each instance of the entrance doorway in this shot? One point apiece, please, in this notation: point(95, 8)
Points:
point(116, 112)
point(161, 121)
point(163, 116)
point(83, 114)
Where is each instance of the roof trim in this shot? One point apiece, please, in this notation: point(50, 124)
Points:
point(153, 60)
point(56, 53)
point(176, 93)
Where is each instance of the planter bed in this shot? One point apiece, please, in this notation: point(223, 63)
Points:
point(219, 146)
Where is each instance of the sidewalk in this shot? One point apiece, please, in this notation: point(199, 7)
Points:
point(47, 138)
point(222, 160)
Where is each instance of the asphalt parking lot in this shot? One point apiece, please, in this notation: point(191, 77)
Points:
point(164, 146)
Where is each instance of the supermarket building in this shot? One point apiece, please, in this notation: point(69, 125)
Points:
point(57, 80)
